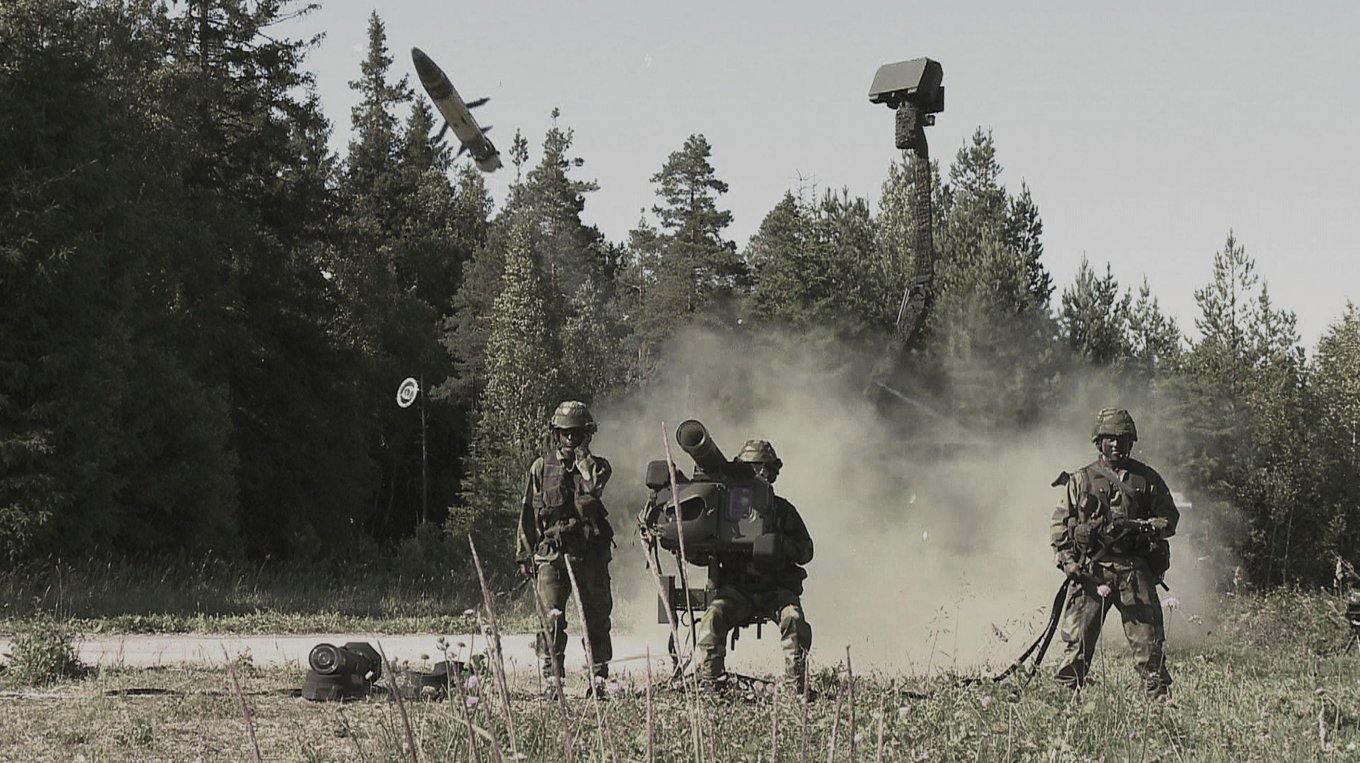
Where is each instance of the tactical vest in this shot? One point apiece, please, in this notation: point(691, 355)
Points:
point(1105, 491)
point(1100, 504)
point(570, 517)
point(557, 500)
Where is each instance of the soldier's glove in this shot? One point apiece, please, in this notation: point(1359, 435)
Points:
point(1072, 570)
point(561, 528)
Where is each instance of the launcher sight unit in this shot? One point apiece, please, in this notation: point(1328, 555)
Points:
point(724, 509)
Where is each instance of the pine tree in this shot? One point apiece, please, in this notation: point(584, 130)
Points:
point(990, 332)
point(111, 432)
point(1336, 399)
point(698, 268)
point(1242, 389)
point(1093, 317)
point(521, 390)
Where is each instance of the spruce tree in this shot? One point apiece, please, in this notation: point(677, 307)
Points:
point(512, 412)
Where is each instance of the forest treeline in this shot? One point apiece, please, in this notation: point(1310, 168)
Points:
point(207, 312)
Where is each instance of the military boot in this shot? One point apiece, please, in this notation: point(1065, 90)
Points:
point(796, 678)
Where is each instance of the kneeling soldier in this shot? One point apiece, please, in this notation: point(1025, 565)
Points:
point(743, 590)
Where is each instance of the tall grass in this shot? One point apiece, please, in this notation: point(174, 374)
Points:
point(1260, 689)
point(212, 593)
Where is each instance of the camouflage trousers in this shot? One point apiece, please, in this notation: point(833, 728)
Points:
point(1133, 591)
point(732, 607)
point(553, 587)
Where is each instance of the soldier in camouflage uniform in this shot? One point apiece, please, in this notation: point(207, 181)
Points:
point(743, 590)
point(563, 517)
point(1110, 561)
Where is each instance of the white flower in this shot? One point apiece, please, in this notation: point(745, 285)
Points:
point(472, 683)
point(554, 613)
point(1171, 602)
point(469, 612)
point(472, 700)
point(986, 700)
point(1104, 590)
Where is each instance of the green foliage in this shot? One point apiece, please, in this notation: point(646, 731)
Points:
point(1093, 316)
point(521, 390)
point(207, 311)
point(44, 653)
point(820, 265)
point(991, 330)
point(1241, 391)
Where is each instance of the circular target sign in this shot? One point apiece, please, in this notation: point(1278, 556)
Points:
point(407, 392)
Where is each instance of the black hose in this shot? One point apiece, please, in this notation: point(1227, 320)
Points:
point(1041, 643)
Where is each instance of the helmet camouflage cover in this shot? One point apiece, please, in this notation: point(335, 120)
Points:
point(573, 414)
point(1114, 422)
point(759, 452)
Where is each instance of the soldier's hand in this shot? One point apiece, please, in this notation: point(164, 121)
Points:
point(1158, 524)
point(1072, 570)
point(589, 506)
point(526, 569)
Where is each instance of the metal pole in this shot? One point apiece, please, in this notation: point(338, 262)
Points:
point(424, 461)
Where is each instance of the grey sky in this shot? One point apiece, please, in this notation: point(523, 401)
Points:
point(1145, 131)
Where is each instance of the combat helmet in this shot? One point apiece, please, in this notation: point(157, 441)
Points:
point(572, 414)
point(761, 452)
point(1114, 422)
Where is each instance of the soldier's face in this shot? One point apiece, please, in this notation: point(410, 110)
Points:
point(766, 472)
point(571, 438)
point(1115, 449)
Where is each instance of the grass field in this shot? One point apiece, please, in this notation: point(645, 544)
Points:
point(403, 595)
point(1269, 684)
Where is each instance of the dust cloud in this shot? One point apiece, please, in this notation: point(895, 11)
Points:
point(932, 550)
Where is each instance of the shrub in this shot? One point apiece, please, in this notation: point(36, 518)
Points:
point(44, 653)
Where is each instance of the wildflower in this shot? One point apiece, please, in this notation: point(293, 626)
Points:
point(469, 612)
point(472, 700)
point(554, 613)
point(1104, 590)
point(986, 700)
point(473, 682)
point(1171, 602)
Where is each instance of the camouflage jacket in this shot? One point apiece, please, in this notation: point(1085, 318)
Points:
point(561, 509)
point(1093, 501)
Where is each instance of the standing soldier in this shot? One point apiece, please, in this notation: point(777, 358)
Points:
point(744, 590)
point(1109, 532)
point(563, 518)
